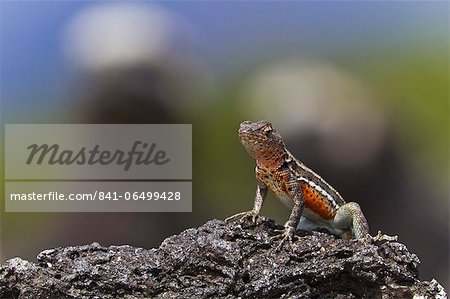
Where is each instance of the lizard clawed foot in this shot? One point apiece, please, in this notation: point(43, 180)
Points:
point(287, 235)
point(242, 215)
point(381, 238)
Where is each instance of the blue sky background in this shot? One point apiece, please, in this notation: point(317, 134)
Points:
point(228, 31)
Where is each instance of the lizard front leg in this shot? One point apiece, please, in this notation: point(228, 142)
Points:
point(290, 227)
point(261, 194)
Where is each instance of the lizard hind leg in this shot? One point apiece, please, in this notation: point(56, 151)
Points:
point(350, 218)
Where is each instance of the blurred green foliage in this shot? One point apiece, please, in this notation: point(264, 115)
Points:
point(413, 84)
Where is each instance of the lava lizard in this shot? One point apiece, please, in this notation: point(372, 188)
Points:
point(315, 204)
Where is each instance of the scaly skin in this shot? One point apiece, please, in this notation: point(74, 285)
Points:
point(314, 203)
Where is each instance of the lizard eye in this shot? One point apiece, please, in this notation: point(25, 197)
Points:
point(267, 128)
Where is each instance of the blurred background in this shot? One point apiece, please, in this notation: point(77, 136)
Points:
point(359, 91)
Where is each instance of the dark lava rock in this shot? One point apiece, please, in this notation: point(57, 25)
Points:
point(219, 260)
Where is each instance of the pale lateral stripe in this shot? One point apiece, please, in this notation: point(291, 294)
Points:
point(321, 190)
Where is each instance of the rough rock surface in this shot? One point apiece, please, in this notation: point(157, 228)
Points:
point(219, 260)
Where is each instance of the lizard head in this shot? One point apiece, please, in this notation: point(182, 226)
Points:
point(262, 141)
